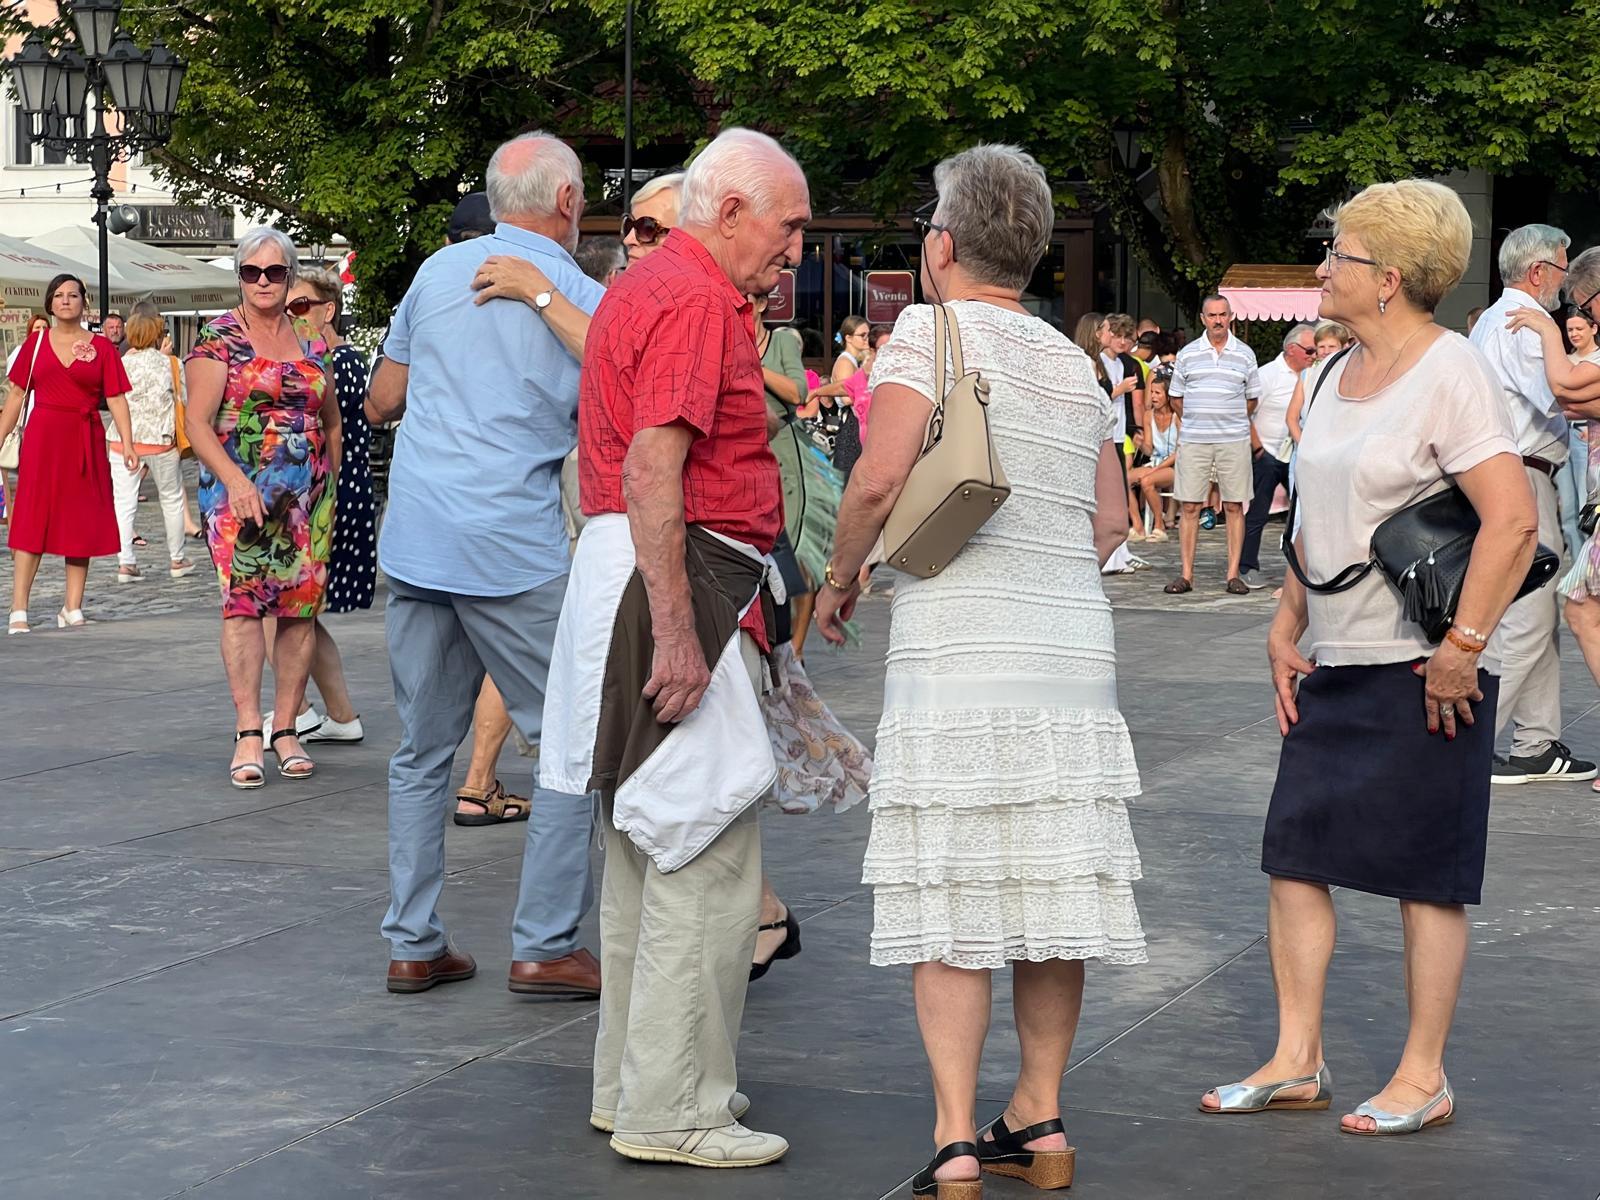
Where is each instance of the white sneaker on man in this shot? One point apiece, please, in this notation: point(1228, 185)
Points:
point(731, 1146)
point(336, 731)
point(305, 724)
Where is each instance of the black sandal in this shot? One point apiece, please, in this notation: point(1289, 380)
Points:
point(790, 947)
point(924, 1184)
point(1006, 1153)
point(293, 760)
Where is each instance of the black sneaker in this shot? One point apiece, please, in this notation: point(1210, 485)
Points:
point(1506, 773)
point(1556, 765)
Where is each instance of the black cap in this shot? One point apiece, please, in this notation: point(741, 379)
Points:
point(471, 218)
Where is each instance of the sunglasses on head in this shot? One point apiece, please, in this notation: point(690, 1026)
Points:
point(645, 229)
point(302, 305)
point(276, 273)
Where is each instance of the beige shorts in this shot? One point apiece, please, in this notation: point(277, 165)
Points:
point(1225, 463)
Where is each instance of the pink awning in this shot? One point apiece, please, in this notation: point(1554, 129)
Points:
point(1274, 303)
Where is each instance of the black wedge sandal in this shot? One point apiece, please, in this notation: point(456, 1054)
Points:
point(924, 1184)
point(1006, 1154)
point(789, 948)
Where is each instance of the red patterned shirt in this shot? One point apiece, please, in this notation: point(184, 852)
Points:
point(673, 341)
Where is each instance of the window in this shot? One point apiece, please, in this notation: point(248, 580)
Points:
point(23, 152)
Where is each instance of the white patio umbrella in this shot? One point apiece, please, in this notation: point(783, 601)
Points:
point(174, 282)
point(26, 270)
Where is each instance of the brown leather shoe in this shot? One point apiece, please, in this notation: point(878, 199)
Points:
point(578, 974)
point(419, 976)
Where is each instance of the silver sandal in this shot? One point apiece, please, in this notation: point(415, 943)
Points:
point(1393, 1124)
point(1240, 1098)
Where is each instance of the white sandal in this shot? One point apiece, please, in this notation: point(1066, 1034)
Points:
point(18, 623)
point(71, 620)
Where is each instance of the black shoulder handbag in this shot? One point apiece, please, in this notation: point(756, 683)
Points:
point(1423, 550)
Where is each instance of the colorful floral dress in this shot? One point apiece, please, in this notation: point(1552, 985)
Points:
point(270, 423)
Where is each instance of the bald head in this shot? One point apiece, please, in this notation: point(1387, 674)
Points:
point(536, 182)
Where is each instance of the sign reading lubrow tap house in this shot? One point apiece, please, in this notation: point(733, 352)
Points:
point(889, 293)
point(183, 223)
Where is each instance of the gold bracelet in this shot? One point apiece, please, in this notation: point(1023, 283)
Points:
point(1461, 643)
point(827, 577)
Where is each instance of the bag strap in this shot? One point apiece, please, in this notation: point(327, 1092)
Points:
point(1355, 572)
point(940, 337)
point(177, 378)
point(22, 420)
point(956, 362)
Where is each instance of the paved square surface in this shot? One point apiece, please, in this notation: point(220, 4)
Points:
point(192, 996)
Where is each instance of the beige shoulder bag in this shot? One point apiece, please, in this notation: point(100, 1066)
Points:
point(957, 482)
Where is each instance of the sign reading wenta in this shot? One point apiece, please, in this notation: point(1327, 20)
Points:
point(183, 223)
point(889, 293)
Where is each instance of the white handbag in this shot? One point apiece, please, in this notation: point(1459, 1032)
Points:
point(11, 448)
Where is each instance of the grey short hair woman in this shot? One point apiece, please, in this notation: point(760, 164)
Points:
point(1383, 779)
point(1000, 834)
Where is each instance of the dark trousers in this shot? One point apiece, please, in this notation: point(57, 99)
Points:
point(1269, 474)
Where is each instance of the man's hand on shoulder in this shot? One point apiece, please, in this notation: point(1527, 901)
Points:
point(506, 277)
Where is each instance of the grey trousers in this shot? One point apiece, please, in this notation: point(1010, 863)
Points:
point(1530, 649)
point(440, 646)
point(675, 953)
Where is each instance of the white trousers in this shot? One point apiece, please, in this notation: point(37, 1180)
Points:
point(164, 469)
point(1529, 641)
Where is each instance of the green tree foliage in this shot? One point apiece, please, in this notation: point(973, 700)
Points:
point(1249, 115)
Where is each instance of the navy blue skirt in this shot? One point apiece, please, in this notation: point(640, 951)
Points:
point(1367, 798)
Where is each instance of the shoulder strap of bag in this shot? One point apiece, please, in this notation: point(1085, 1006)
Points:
point(22, 421)
point(1355, 572)
point(956, 363)
point(940, 315)
point(177, 378)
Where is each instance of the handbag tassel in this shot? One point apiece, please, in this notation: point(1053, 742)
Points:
point(1424, 592)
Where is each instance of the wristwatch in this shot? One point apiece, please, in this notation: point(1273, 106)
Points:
point(542, 301)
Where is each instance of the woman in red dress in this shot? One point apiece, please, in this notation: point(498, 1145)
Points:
point(64, 503)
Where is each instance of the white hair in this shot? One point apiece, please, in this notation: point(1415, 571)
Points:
point(659, 184)
point(527, 185)
point(1292, 338)
point(738, 162)
point(262, 236)
point(1527, 246)
point(997, 205)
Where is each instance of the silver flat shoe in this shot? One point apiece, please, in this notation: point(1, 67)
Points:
point(1393, 1124)
point(1239, 1098)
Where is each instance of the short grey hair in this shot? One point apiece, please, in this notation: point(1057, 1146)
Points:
point(738, 162)
point(1525, 247)
point(525, 180)
point(262, 236)
point(1583, 276)
point(598, 257)
point(997, 203)
point(660, 183)
point(1292, 338)
point(1217, 298)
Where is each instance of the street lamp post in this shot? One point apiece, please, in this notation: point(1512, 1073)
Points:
point(65, 101)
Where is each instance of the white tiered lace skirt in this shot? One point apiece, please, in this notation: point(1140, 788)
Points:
point(1000, 832)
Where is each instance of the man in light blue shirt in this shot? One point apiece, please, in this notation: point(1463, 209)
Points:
point(475, 550)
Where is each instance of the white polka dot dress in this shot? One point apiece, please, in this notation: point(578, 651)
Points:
point(353, 566)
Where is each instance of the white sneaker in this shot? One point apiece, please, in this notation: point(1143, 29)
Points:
point(336, 731)
point(605, 1119)
point(731, 1146)
point(1254, 580)
point(308, 721)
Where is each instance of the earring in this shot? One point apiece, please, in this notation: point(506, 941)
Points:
point(1383, 307)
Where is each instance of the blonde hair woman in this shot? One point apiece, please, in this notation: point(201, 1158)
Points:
point(1331, 337)
point(153, 407)
point(1383, 780)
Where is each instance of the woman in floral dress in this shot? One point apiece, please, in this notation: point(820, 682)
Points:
point(264, 422)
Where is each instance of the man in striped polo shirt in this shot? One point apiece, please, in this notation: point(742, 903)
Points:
point(1214, 389)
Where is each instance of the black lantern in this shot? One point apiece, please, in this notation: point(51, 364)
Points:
point(125, 72)
point(72, 91)
point(96, 23)
point(163, 77)
point(34, 71)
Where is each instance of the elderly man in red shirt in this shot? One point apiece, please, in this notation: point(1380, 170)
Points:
point(653, 687)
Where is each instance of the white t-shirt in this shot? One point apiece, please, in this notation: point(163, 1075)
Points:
point(1272, 410)
point(1216, 387)
point(1362, 461)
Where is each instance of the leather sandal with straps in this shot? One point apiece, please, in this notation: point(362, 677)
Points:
point(287, 766)
point(256, 772)
point(494, 801)
point(1005, 1152)
point(924, 1183)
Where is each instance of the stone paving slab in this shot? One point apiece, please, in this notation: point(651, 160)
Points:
point(196, 973)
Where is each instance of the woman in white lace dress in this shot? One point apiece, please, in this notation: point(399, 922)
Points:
point(999, 832)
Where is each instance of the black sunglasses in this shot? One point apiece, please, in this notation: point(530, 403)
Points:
point(302, 305)
point(1584, 307)
point(276, 273)
point(645, 229)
